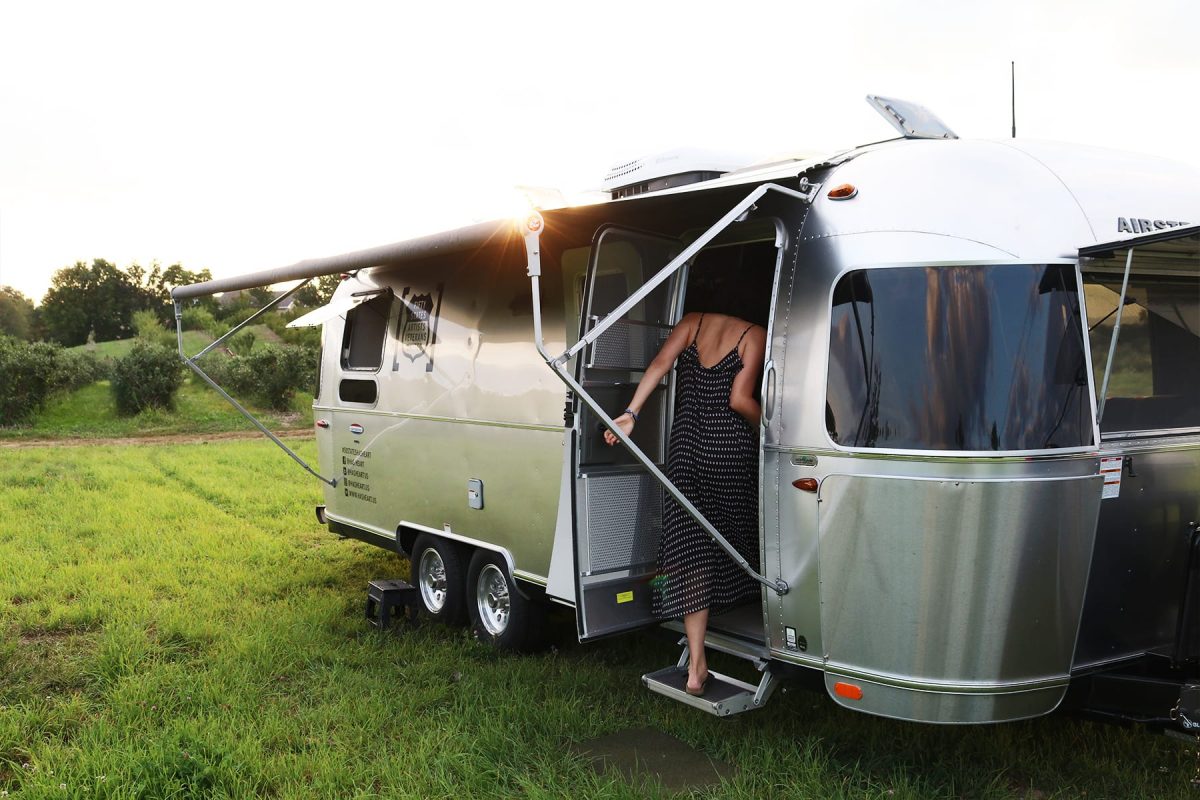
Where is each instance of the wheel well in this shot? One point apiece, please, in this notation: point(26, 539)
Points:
point(406, 537)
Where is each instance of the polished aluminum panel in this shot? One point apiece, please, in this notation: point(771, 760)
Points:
point(969, 587)
point(950, 704)
point(462, 395)
point(789, 551)
point(1136, 589)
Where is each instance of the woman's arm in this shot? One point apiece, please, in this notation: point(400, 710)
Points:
point(675, 344)
point(741, 394)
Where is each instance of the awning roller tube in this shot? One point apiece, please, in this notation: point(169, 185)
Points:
point(462, 239)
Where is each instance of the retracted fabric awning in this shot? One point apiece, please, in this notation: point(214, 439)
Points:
point(1171, 251)
point(457, 240)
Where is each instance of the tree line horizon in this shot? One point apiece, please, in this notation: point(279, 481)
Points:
point(97, 301)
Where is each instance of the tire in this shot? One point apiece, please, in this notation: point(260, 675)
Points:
point(436, 570)
point(500, 615)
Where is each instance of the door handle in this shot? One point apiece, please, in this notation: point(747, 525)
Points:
point(768, 392)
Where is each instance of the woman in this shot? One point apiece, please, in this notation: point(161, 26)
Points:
point(713, 459)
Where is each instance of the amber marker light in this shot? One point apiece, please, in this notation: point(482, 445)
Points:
point(847, 690)
point(843, 192)
point(806, 484)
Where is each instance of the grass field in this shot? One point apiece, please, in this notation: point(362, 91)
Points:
point(174, 623)
point(193, 342)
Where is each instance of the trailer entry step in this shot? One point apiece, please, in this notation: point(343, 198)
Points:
point(723, 697)
point(386, 596)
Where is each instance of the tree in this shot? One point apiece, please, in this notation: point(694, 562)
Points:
point(318, 292)
point(98, 298)
point(260, 296)
point(160, 282)
point(16, 313)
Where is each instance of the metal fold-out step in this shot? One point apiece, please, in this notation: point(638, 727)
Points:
point(723, 696)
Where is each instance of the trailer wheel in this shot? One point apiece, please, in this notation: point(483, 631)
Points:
point(500, 615)
point(437, 572)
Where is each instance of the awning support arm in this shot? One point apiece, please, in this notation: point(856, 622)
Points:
point(190, 361)
point(532, 232)
point(1112, 346)
point(688, 252)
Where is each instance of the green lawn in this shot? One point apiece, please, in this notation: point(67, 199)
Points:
point(193, 342)
point(174, 623)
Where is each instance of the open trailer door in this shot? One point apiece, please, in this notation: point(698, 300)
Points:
point(636, 336)
point(619, 504)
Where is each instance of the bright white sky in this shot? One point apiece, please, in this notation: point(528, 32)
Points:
point(245, 136)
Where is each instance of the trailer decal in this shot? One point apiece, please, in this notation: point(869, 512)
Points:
point(418, 324)
point(1110, 469)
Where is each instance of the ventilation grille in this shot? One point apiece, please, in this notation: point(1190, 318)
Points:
point(621, 170)
point(624, 513)
point(628, 345)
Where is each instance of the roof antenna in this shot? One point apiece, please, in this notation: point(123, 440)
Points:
point(1014, 98)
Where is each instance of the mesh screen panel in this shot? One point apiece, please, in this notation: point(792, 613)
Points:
point(624, 520)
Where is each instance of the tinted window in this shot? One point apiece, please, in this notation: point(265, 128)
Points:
point(366, 327)
point(1156, 367)
point(351, 390)
point(958, 358)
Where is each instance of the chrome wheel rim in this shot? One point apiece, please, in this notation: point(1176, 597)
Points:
point(492, 600)
point(431, 573)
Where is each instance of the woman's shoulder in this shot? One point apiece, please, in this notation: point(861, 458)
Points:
point(751, 328)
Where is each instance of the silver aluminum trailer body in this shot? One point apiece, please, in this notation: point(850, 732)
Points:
point(929, 370)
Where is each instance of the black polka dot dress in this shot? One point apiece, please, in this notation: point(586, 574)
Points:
point(713, 459)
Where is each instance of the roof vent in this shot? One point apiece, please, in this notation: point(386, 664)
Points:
point(668, 169)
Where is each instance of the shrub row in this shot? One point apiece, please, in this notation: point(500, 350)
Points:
point(270, 374)
point(149, 376)
point(32, 371)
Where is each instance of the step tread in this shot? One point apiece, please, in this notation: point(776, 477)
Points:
point(723, 696)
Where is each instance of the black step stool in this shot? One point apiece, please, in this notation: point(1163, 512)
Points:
point(385, 596)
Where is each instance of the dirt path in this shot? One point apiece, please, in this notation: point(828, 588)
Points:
point(168, 438)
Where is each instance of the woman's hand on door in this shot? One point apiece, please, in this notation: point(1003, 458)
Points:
point(625, 423)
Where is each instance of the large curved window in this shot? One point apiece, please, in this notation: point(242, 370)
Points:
point(958, 358)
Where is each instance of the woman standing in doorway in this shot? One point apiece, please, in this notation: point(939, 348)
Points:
point(713, 460)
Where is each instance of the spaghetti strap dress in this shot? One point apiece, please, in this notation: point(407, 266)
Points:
point(713, 459)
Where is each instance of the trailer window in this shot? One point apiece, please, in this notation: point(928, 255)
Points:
point(958, 358)
point(1156, 366)
point(365, 331)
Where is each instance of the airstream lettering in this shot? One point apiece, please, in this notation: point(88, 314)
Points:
point(1136, 225)
point(979, 459)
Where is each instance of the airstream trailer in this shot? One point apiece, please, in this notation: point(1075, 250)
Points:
point(980, 435)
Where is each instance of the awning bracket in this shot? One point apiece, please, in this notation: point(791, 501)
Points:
point(190, 361)
point(1112, 346)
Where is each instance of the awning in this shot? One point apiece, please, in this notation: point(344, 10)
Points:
point(1172, 251)
point(457, 240)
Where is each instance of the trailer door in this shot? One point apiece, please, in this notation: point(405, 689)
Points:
point(618, 504)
